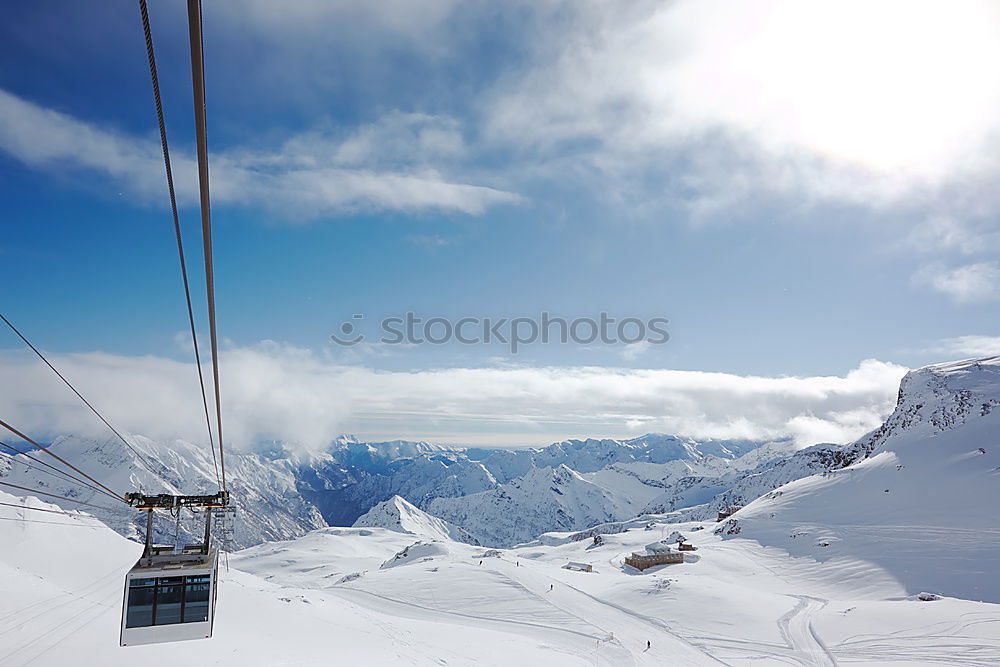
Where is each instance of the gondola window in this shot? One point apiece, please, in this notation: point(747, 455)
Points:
point(168, 600)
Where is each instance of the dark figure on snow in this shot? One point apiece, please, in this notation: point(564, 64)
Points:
point(649, 644)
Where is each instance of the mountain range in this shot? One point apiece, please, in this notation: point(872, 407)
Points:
point(501, 497)
point(280, 492)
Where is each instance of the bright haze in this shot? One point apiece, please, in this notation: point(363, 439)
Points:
point(805, 190)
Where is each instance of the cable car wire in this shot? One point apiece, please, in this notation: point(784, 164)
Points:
point(61, 624)
point(80, 396)
point(58, 458)
point(62, 476)
point(71, 630)
point(51, 467)
point(59, 598)
point(144, 12)
point(198, 84)
point(42, 509)
point(52, 523)
point(53, 495)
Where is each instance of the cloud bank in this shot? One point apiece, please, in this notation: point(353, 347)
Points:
point(964, 284)
point(387, 165)
point(276, 391)
point(877, 104)
point(967, 346)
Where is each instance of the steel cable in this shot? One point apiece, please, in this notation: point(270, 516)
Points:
point(65, 476)
point(198, 84)
point(144, 12)
point(58, 458)
point(53, 495)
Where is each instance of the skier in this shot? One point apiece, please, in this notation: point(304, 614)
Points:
point(480, 562)
point(649, 644)
point(551, 586)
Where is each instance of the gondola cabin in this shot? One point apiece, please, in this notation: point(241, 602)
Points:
point(170, 596)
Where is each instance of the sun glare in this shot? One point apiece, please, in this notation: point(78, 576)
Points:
point(885, 84)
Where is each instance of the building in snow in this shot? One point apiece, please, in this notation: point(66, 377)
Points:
point(643, 561)
point(728, 512)
point(657, 553)
point(579, 567)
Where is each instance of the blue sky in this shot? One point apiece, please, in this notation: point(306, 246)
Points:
point(792, 206)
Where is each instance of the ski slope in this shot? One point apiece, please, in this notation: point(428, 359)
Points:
point(923, 504)
point(341, 595)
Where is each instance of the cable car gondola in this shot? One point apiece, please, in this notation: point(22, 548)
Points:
point(170, 598)
point(170, 592)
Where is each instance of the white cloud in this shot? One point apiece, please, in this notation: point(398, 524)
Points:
point(275, 391)
point(386, 165)
point(893, 102)
point(291, 24)
point(968, 346)
point(633, 351)
point(965, 284)
point(947, 233)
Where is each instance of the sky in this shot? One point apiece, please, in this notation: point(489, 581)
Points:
point(805, 190)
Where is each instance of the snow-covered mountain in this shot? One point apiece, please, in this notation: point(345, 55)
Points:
point(562, 499)
point(348, 479)
point(921, 498)
point(591, 455)
point(932, 400)
point(702, 496)
point(398, 515)
point(543, 499)
point(280, 493)
point(267, 501)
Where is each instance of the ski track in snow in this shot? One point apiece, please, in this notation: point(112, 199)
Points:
point(626, 620)
point(935, 642)
point(652, 623)
point(478, 619)
point(798, 632)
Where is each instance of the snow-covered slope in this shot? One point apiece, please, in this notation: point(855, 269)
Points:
point(265, 494)
point(372, 596)
point(922, 501)
point(403, 517)
point(701, 496)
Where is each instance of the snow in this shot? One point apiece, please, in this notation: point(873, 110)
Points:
point(281, 492)
point(399, 515)
point(268, 504)
point(823, 569)
point(294, 602)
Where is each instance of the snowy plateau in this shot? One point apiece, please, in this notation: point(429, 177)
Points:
point(880, 551)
